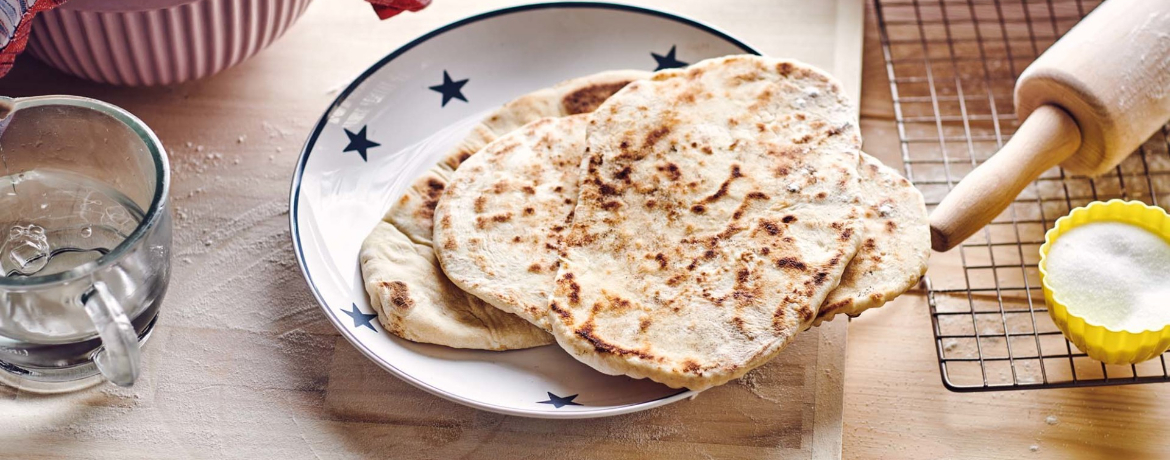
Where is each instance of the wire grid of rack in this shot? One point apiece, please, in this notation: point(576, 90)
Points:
point(952, 66)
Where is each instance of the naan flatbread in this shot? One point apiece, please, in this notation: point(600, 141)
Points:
point(416, 302)
point(501, 219)
point(715, 214)
point(895, 243)
point(571, 97)
point(407, 288)
point(522, 191)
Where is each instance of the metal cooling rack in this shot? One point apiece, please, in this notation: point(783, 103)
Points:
point(952, 66)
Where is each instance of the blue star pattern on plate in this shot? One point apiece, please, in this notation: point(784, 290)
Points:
point(361, 319)
point(559, 401)
point(668, 61)
point(358, 142)
point(450, 89)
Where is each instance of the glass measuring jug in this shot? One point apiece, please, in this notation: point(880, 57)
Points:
point(85, 242)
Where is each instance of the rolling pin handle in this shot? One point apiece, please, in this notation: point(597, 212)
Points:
point(1046, 138)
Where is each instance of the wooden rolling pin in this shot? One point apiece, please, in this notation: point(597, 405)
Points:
point(1087, 102)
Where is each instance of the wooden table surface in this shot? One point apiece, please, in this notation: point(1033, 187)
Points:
point(231, 213)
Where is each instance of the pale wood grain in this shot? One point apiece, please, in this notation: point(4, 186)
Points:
point(896, 406)
point(244, 365)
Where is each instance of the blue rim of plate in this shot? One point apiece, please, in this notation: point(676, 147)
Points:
point(295, 189)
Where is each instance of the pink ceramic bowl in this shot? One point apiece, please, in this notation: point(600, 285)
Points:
point(157, 42)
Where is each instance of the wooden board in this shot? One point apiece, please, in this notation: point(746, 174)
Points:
point(245, 365)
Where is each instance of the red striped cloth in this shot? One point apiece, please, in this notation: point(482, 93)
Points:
point(389, 8)
point(16, 20)
point(15, 23)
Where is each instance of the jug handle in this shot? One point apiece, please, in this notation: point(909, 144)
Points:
point(119, 358)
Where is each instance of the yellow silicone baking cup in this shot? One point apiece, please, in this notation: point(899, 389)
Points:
point(1099, 342)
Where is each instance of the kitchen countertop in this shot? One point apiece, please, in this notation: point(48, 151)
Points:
point(894, 403)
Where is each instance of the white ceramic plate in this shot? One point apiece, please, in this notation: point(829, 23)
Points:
point(399, 117)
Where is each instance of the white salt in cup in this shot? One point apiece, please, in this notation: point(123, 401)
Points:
point(1105, 344)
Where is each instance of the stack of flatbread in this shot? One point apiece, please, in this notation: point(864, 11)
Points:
point(681, 226)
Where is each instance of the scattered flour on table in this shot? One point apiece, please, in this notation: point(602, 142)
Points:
point(188, 163)
point(1112, 274)
point(275, 131)
point(244, 274)
point(650, 428)
point(754, 380)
